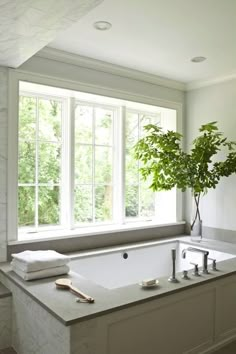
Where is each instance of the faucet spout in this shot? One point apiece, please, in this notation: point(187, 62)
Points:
point(198, 250)
point(194, 249)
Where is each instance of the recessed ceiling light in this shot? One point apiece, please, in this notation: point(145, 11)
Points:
point(102, 25)
point(198, 59)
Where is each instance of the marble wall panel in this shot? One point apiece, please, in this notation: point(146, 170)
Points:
point(3, 161)
point(27, 26)
point(34, 330)
point(5, 322)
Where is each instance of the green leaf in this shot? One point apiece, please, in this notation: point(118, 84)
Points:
point(168, 165)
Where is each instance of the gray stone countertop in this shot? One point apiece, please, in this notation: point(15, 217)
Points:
point(62, 305)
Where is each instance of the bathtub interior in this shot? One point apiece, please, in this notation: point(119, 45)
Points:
point(112, 270)
point(128, 266)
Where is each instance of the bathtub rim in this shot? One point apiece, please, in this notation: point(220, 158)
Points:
point(145, 244)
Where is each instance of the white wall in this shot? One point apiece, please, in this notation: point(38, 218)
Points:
point(3, 161)
point(215, 103)
point(98, 81)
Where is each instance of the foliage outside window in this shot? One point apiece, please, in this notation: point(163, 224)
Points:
point(140, 200)
point(39, 166)
point(93, 164)
point(70, 173)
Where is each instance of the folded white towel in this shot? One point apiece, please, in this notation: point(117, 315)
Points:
point(31, 261)
point(40, 274)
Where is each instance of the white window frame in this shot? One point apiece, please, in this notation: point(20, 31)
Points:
point(115, 156)
point(151, 218)
point(15, 76)
point(64, 178)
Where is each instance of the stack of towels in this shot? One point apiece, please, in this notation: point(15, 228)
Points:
point(31, 265)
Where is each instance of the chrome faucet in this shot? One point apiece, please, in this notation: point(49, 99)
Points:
point(197, 250)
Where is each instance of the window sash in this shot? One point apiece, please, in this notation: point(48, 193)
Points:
point(139, 182)
point(37, 184)
point(114, 147)
point(68, 170)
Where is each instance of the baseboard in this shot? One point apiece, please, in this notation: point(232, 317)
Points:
point(218, 345)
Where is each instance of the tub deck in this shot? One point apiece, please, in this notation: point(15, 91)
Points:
point(62, 305)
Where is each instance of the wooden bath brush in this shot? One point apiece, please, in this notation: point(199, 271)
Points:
point(67, 285)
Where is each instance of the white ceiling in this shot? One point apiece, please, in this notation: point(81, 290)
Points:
point(159, 37)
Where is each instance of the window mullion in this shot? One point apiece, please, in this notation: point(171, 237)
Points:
point(121, 163)
point(71, 162)
point(64, 181)
point(158, 194)
point(37, 165)
point(139, 127)
point(93, 165)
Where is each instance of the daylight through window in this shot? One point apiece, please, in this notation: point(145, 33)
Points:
point(75, 161)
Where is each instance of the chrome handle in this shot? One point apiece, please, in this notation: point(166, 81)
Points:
point(213, 263)
point(195, 271)
point(185, 275)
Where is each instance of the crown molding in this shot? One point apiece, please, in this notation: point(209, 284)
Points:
point(194, 85)
point(117, 70)
point(98, 65)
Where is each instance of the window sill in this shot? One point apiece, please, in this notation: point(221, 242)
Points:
point(108, 230)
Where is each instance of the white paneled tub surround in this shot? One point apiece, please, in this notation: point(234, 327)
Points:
point(120, 267)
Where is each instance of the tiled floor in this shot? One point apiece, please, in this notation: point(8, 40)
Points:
point(228, 349)
point(7, 351)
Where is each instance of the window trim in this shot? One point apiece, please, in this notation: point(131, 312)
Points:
point(15, 76)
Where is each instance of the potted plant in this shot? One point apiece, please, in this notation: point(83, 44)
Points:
point(164, 160)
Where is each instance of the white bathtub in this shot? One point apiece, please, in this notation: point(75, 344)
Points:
point(111, 270)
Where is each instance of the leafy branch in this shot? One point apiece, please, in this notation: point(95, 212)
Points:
point(169, 166)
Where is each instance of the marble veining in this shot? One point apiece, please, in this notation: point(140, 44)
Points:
point(8, 351)
point(3, 161)
point(34, 330)
point(27, 26)
point(5, 322)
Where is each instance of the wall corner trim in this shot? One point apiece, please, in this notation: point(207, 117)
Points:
point(194, 85)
